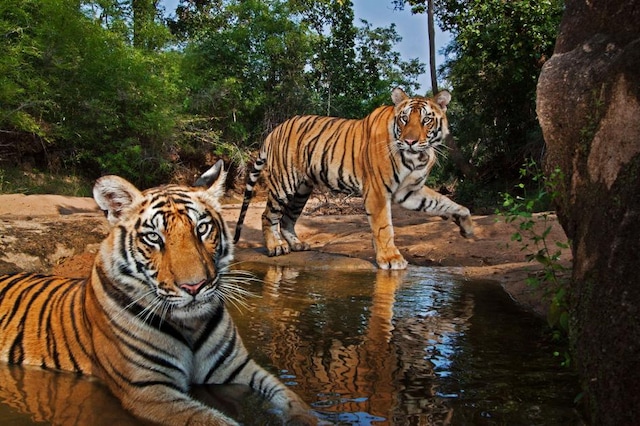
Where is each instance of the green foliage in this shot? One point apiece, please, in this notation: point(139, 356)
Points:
point(268, 61)
point(24, 90)
point(533, 236)
point(14, 180)
point(248, 73)
point(110, 86)
point(355, 68)
point(100, 104)
point(494, 61)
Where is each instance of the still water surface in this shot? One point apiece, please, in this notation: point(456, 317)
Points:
point(415, 347)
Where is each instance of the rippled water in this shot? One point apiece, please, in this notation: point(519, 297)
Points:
point(414, 347)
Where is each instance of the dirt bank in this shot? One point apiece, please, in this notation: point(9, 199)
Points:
point(48, 233)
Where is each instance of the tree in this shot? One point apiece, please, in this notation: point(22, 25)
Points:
point(81, 94)
point(588, 103)
point(24, 90)
point(497, 52)
point(357, 66)
point(266, 62)
point(335, 62)
point(248, 70)
point(193, 17)
point(379, 67)
point(420, 6)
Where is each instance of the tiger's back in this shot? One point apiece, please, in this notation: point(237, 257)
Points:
point(323, 150)
point(43, 322)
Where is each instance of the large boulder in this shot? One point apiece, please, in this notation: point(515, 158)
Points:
point(588, 102)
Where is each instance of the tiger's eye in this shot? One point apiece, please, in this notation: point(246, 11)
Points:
point(152, 238)
point(203, 229)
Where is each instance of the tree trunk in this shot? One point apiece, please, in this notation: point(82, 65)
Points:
point(588, 103)
point(432, 47)
point(143, 15)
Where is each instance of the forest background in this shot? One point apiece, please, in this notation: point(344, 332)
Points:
point(125, 87)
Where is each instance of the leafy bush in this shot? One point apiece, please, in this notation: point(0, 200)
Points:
point(533, 236)
point(76, 89)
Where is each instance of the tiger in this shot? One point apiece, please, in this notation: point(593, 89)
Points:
point(384, 157)
point(150, 321)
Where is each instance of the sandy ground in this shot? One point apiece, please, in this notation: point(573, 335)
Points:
point(60, 235)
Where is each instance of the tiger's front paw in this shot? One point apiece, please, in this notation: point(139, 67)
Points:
point(274, 242)
point(466, 225)
point(391, 260)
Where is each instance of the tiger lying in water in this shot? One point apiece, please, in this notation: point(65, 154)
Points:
point(151, 319)
point(385, 157)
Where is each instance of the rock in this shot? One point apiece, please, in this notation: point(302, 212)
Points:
point(588, 102)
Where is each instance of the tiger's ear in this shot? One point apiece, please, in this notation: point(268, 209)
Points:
point(398, 95)
point(213, 179)
point(114, 195)
point(443, 98)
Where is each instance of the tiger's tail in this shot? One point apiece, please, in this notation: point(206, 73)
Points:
point(252, 179)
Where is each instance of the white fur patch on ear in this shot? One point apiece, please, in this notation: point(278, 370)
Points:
point(210, 176)
point(114, 195)
point(443, 98)
point(215, 178)
point(398, 95)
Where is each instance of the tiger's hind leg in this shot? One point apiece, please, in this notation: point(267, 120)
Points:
point(292, 212)
point(274, 242)
point(279, 220)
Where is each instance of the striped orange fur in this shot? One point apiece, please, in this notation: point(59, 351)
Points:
point(385, 157)
point(151, 320)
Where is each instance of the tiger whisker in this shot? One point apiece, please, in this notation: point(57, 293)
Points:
point(149, 310)
point(133, 302)
point(231, 290)
point(393, 149)
point(441, 148)
point(227, 270)
point(384, 143)
point(239, 274)
point(229, 294)
point(231, 265)
point(242, 279)
point(237, 302)
point(234, 286)
point(166, 307)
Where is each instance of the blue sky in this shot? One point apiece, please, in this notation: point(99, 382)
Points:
point(412, 29)
point(380, 13)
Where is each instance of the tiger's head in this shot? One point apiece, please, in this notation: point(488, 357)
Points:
point(168, 249)
point(420, 124)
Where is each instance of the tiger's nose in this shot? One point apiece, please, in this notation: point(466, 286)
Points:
point(411, 141)
point(193, 289)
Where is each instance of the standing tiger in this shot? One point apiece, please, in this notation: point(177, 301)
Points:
point(384, 157)
point(151, 320)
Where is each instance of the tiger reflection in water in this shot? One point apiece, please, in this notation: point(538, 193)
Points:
point(350, 344)
point(30, 394)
